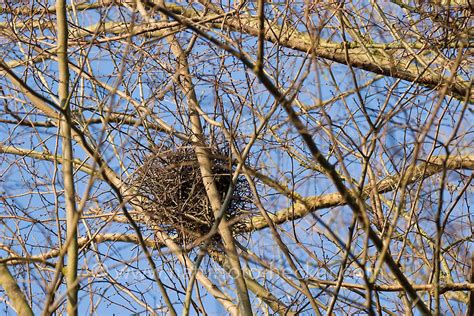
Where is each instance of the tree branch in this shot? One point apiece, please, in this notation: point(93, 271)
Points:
point(379, 58)
point(311, 204)
point(18, 299)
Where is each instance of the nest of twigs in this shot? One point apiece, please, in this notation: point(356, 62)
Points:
point(174, 198)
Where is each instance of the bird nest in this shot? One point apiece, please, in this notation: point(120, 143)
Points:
point(174, 198)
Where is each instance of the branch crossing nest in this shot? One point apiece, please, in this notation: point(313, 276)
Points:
point(174, 197)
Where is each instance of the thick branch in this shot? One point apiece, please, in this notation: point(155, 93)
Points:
point(379, 58)
point(67, 162)
point(18, 299)
point(314, 203)
point(133, 239)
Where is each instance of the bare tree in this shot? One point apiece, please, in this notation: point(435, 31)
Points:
point(249, 157)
